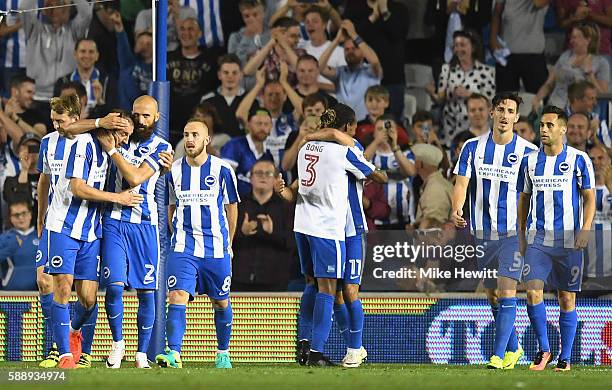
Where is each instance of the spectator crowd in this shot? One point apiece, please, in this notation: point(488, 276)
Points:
point(259, 73)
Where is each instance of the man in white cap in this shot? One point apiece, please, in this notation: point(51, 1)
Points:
point(435, 202)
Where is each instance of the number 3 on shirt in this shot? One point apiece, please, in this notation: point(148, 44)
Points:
point(312, 160)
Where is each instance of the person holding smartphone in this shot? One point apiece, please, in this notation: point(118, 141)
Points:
point(22, 188)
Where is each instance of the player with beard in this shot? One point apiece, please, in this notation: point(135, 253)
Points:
point(130, 247)
point(204, 212)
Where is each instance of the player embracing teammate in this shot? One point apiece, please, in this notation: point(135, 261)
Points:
point(73, 176)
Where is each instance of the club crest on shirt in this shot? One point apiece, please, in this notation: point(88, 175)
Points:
point(564, 167)
point(144, 150)
point(171, 281)
point(512, 158)
point(57, 261)
point(210, 180)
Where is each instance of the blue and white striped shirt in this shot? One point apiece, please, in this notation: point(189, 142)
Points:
point(399, 193)
point(136, 154)
point(598, 259)
point(355, 217)
point(53, 160)
point(554, 183)
point(78, 218)
point(200, 194)
point(13, 47)
point(209, 19)
point(493, 171)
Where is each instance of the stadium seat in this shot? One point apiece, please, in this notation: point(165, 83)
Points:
point(525, 108)
point(417, 77)
point(410, 107)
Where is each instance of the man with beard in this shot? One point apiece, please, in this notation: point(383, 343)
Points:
point(353, 79)
point(204, 212)
point(130, 247)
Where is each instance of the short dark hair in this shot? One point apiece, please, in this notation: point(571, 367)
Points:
point(123, 114)
point(307, 57)
point(19, 79)
point(259, 110)
point(229, 59)
point(475, 40)
point(208, 109)
point(78, 42)
point(18, 202)
point(386, 117)
point(561, 115)
point(462, 137)
point(315, 9)
point(577, 89)
point(422, 116)
point(285, 22)
point(338, 116)
point(525, 119)
point(500, 97)
point(267, 161)
point(78, 88)
point(477, 96)
point(314, 98)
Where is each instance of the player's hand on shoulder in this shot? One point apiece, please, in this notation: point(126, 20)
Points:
point(129, 198)
point(457, 218)
point(248, 227)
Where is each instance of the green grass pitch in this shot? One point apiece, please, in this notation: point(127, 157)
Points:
point(291, 376)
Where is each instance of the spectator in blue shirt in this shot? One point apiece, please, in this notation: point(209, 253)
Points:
point(135, 67)
point(243, 152)
point(18, 250)
point(353, 79)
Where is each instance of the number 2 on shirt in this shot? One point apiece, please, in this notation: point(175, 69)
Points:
point(312, 160)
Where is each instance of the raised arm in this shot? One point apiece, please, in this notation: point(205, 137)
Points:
point(125, 55)
point(242, 112)
point(498, 9)
point(281, 11)
point(544, 91)
point(112, 121)
point(12, 129)
point(82, 20)
point(260, 55)
point(288, 194)
point(368, 53)
point(294, 98)
point(325, 70)
point(406, 167)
